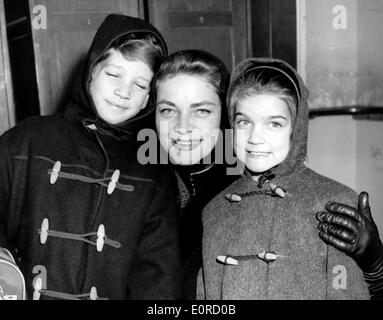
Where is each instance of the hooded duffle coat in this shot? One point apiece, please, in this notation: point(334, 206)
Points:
point(284, 227)
point(56, 176)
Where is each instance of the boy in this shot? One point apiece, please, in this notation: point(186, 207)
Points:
point(83, 218)
point(260, 234)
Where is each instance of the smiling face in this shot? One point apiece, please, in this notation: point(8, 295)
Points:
point(119, 87)
point(188, 113)
point(262, 130)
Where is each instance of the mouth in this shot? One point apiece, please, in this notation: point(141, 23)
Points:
point(258, 154)
point(186, 145)
point(116, 105)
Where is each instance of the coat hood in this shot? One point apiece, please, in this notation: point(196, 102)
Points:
point(82, 107)
point(298, 148)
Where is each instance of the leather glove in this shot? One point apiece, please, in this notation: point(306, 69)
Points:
point(354, 232)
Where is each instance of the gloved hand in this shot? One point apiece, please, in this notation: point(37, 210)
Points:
point(354, 232)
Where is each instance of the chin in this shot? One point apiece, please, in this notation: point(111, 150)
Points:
point(185, 158)
point(258, 169)
point(181, 162)
point(110, 120)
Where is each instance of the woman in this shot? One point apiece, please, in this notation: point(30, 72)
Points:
point(190, 89)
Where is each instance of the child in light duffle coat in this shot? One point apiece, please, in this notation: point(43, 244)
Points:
point(260, 236)
point(82, 217)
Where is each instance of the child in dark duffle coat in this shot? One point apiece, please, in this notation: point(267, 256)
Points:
point(260, 236)
point(83, 218)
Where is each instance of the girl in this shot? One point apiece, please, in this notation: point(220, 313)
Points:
point(260, 236)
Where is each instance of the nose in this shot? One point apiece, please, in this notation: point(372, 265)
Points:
point(183, 125)
point(123, 92)
point(256, 135)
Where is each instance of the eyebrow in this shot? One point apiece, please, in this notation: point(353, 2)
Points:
point(113, 65)
point(120, 67)
point(202, 103)
point(193, 105)
point(272, 117)
point(169, 103)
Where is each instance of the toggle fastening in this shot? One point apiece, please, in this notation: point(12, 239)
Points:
point(233, 197)
point(100, 237)
point(273, 191)
point(113, 181)
point(267, 256)
point(37, 288)
point(277, 190)
point(38, 291)
point(55, 172)
point(227, 260)
point(44, 231)
point(99, 243)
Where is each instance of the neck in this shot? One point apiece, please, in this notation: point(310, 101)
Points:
point(194, 168)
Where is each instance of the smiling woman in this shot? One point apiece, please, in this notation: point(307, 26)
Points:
point(190, 94)
point(188, 117)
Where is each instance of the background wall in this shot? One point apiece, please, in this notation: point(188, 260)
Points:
point(340, 56)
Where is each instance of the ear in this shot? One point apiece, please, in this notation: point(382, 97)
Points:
point(145, 102)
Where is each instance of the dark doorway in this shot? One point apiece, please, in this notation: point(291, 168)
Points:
point(273, 29)
point(21, 57)
point(231, 29)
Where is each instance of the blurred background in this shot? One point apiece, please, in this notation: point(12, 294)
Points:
point(336, 45)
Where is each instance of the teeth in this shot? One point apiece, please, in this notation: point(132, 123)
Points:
point(184, 143)
point(259, 153)
point(187, 143)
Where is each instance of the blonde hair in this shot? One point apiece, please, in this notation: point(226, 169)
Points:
point(258, 81)
point(138, 46)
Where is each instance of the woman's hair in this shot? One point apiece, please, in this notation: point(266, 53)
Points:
point(259, 80)
point(138, 46)
point(196, 63)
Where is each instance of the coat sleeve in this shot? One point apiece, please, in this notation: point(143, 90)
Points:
point(155, 273)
